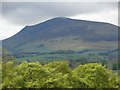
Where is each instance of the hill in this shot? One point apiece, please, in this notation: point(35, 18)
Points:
point(62, 33)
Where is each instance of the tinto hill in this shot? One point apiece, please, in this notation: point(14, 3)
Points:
point(65, 34)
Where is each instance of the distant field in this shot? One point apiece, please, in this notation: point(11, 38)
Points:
point(89, 55)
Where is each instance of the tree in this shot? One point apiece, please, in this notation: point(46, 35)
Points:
point(57, 75)
point(94, 75)
point(115, 66)
point(6, 57)
point(8, 75)
point(58, 66)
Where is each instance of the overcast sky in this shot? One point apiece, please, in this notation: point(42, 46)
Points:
point(16, 15)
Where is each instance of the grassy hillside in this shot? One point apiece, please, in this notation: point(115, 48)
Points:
point(63, 33)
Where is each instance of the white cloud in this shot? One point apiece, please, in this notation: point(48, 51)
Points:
point(30, 13)
point(109, 16)
point(7, 29)
point(60, 0)
point(18, 15)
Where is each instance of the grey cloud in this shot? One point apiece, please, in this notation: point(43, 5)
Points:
point(119, 13)
point(0, 9)
point(31, 12)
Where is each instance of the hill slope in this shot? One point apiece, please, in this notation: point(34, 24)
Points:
point(63, 33)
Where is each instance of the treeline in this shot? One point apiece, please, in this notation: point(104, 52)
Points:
point(57, 74)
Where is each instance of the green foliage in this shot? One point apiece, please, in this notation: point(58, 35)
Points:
point(0, 75)
point(58, 67)
point(95, 75)
point(76, 57)
point(6, 57)
point(116, 66)
point(8, 75)
point(59, 72)
point(57, 75)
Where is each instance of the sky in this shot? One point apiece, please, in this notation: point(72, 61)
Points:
point(17, 15)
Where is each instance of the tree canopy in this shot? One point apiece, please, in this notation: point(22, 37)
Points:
point(57, 74)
